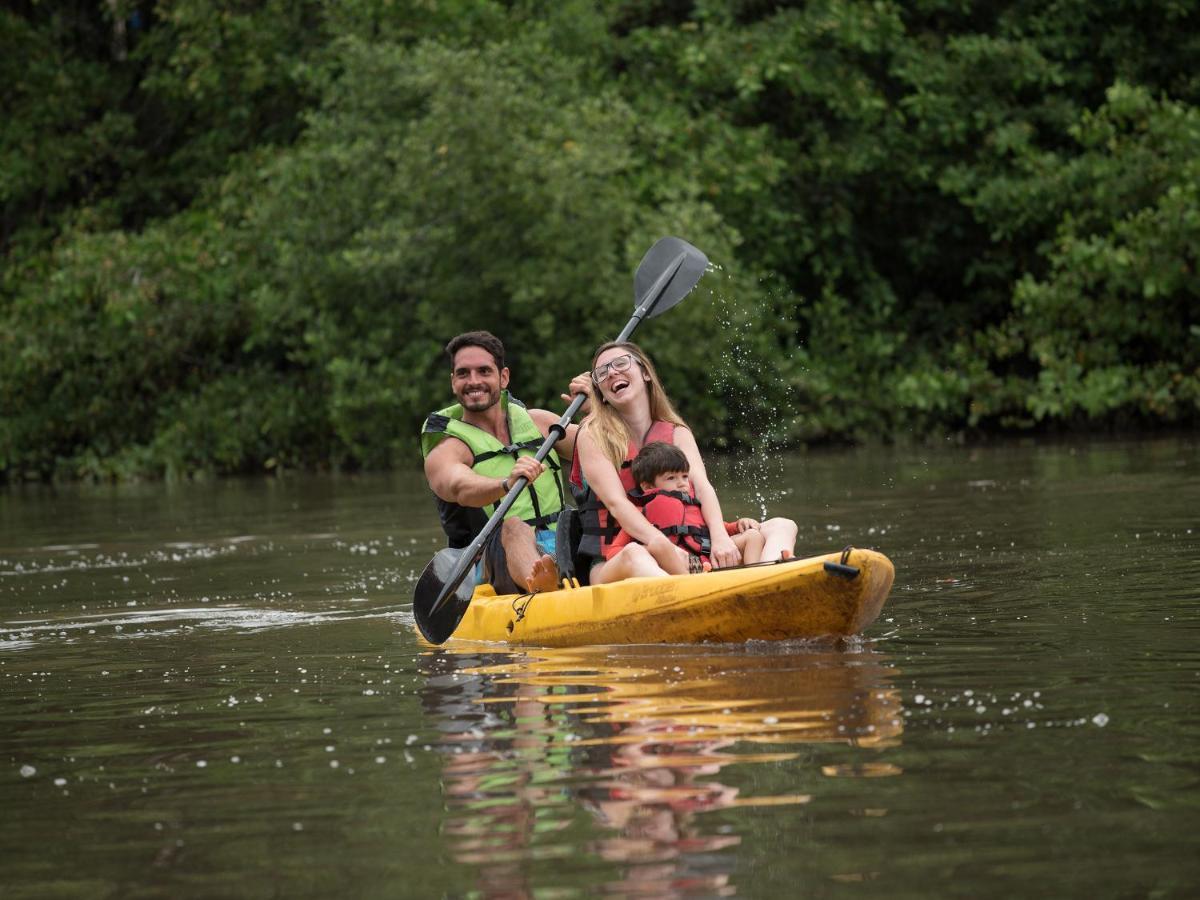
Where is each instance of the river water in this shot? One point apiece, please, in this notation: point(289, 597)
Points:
point(214, 690)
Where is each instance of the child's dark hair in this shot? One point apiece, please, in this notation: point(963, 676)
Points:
point(657, 458)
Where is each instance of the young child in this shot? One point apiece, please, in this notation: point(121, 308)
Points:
point(668, 503)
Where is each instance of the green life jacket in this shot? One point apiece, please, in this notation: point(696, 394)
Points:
point(537, 505)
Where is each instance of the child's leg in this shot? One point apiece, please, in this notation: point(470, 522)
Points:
point(750, 544)
point(634, 560)
point(670, 558)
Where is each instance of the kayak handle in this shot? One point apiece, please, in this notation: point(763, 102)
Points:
point(841, 569)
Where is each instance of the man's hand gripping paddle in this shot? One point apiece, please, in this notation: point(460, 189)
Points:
point(667, 273)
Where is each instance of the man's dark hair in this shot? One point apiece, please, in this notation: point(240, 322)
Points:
point(485, 340)
point(657, 458)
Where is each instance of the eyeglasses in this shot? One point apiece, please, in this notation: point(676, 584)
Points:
point(616, 364)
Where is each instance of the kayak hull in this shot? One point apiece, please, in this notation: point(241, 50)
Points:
point(786, 600)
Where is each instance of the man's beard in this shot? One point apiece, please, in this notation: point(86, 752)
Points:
point(480, 403)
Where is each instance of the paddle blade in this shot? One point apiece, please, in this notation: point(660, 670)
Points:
point(437, 624)
point(658, 261)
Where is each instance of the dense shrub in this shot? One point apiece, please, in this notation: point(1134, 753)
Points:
point(235, 236)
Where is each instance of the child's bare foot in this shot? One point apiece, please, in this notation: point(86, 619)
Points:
point(544, 574)
point(786, 554)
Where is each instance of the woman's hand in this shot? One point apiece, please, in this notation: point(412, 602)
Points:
point(744, 525)
point(580, 384)
point(724, 553)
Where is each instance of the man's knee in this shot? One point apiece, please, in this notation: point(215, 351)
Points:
point(514, 530)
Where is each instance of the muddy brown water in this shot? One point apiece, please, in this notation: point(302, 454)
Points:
point(215, 690)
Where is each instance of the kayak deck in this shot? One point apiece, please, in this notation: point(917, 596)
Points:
point(799, 598)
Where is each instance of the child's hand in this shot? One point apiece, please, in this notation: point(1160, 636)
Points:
point(746, 525)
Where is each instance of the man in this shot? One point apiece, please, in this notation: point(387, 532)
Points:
point(476, 449)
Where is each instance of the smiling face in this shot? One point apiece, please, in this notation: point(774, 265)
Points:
point(475, 380)
point(619, 388)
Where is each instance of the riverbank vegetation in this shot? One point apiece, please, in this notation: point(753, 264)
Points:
point(236, 236)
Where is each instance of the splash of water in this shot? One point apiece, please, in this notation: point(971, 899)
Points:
point(738, 377)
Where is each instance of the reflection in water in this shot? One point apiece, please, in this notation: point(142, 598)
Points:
point(637, 737)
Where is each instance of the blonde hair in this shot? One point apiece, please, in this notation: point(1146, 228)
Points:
point(608, 429)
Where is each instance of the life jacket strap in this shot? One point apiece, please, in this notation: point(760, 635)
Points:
point(688, 530)
point(608, 531)
point(513, 450)
point(640, 498)
point(542, 522)
point(690, 537)
point(539, 521)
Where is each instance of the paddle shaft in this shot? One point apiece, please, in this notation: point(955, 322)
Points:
point(557, 432)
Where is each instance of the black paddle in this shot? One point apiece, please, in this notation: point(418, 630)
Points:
point(668, 271)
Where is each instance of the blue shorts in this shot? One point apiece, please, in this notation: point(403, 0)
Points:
point(493, 565)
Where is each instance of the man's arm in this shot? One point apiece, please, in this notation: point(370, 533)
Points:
point(449, 473)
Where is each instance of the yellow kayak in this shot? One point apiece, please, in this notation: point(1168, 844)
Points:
point(837, 595)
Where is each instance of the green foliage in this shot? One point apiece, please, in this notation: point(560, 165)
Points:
point(1109, 321)
point(236, 236)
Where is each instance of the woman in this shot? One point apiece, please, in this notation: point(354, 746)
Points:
point(633, 409)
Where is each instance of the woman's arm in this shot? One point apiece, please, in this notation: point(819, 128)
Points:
point(724, 552)
point(604, 481)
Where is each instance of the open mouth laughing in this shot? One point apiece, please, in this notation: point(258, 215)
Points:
point(618, 385)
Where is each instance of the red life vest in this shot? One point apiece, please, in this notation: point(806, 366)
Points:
point(599, 527)
point(675, 514)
